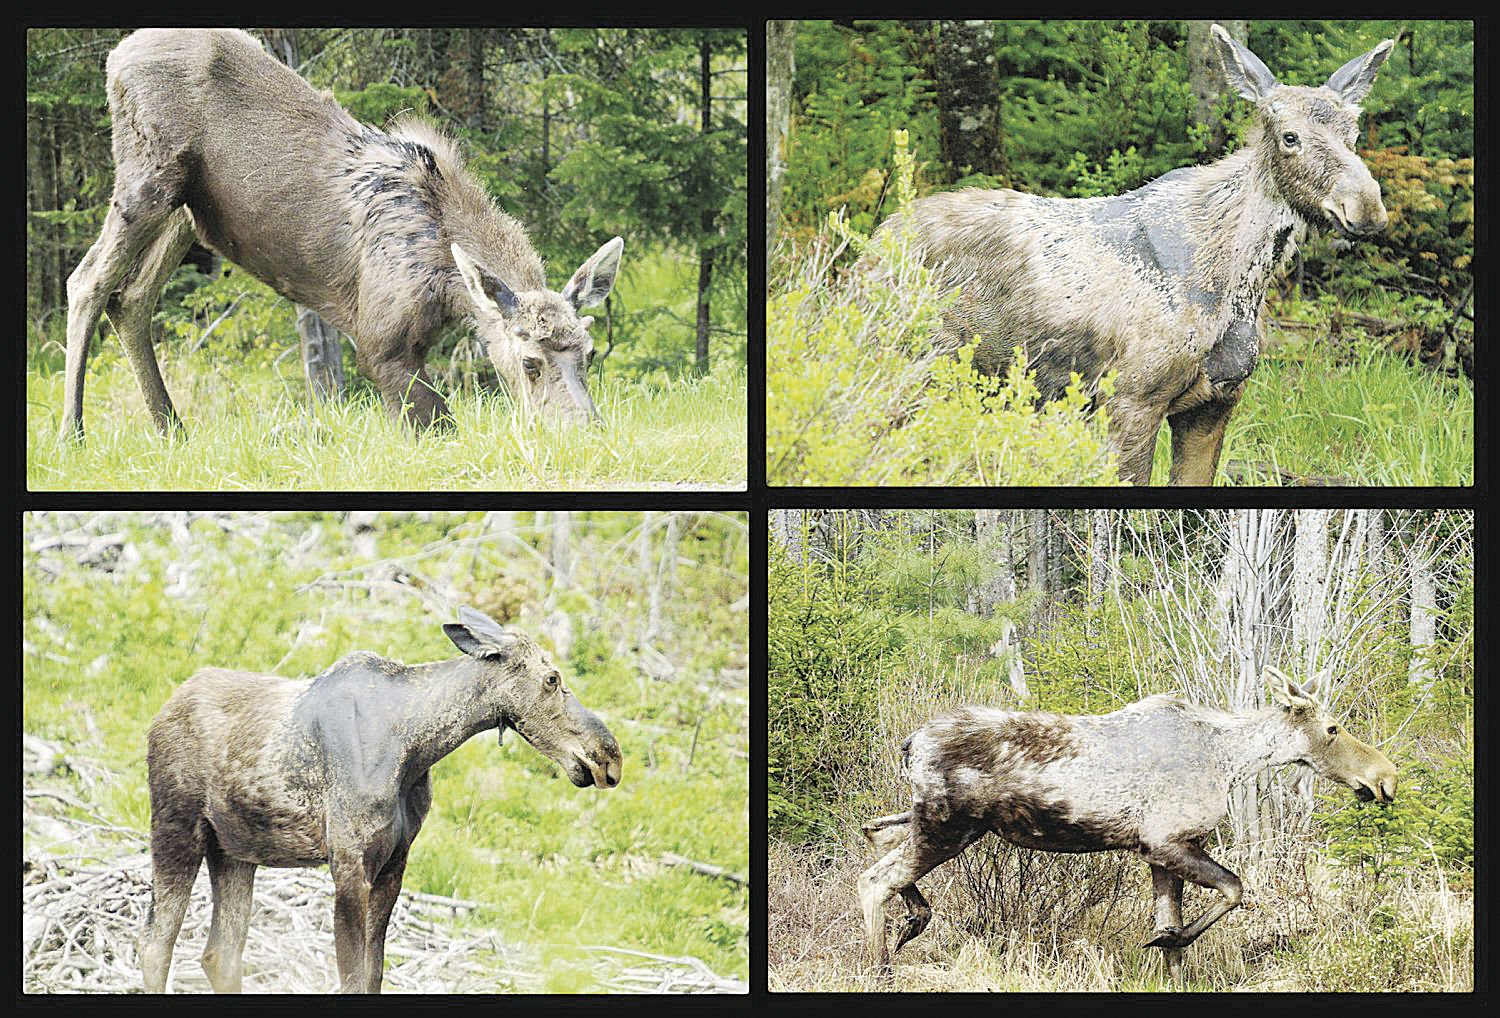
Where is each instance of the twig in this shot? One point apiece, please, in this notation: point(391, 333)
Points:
point(707, 869)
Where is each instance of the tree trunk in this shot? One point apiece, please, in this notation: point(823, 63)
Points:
point(322, 356)
point(968, 93)
point(781, 47)
point(560, 550)
point(1101, 527)
point(786, 528)
point(1309, 578)
point(1206, 78)
point(1423, 606)
point(994, 532)
point(476, 78)
point(709, 217)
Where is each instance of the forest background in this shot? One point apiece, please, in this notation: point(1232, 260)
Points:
point(1366, 373)
point(880, 620)
point(580, 133)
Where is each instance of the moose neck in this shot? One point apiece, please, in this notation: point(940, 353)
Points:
point(449, 702)
point(1244, 230)
point(1252, 742)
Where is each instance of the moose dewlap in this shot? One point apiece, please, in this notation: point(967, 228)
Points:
point(1162, 285)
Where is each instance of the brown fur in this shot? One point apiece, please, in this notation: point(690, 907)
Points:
point(213, 136)
point(1151, 778)
point(1162, 285)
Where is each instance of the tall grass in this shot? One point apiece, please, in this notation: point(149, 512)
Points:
point(253, 430)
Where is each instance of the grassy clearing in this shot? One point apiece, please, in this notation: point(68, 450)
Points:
point(253, 430)
point(1311, 931)
point(105, 644)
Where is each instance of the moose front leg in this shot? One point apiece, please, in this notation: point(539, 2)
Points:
point(1168, 888)
point(383, 894)
point(1133, 425)
point(1188, 861)
point(408, 392)
point(351, 911)
point(1198, 438)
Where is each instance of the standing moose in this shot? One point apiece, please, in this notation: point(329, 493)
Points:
point(1163, 284)
point(1152, 778)
point(251, 770)
point(386, 235)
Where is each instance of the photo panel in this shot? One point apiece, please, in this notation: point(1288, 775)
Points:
point(509, 258)
point(1067, 253)
point(1055, 750)
point(415, 751)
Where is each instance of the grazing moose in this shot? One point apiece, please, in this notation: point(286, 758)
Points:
point(1153, 778)
point(1163, 284)
point(254, 770)
point(386, 235)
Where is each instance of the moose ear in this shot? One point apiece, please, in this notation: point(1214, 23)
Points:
point(595, 277)
point(1311, 687)
point(1354, 80)
point(484, 286)
point(1279, 686)
point(1244, 71)
point(478, 635)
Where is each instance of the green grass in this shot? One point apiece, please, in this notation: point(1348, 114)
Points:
point(1369, 418)
point(252, 430)
point(566, 867)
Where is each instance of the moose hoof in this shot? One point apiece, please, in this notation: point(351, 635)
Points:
point(910, 929)
point(1170, 937)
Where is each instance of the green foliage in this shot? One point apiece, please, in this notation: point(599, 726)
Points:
point(250, 428)
point(383, 101)
point(857, 393)
point(1431, 820)
point(823, 667)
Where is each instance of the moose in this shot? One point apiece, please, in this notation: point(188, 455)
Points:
point(1152, 778)
point(250, 770)
point(1162, 285)
point(386, 234)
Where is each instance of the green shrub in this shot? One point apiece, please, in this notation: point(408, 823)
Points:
point(1431, 819)
point(857, 391)
point(823, 667)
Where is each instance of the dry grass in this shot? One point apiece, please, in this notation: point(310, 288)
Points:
point(1067, 929)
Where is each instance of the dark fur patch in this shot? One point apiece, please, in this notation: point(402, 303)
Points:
point(1040, 738)
point(1047, 826)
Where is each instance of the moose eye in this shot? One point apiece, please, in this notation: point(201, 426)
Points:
point(552, 680)
point(532, 366)
point(1289, 139)
point(1333, 729)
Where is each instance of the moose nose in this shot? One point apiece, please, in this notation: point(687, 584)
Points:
point(1357, 213)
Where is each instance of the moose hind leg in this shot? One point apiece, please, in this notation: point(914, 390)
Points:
point(1188, 861)
point(234, 892)
point(918, 915)
point(173, 870)
point(930, 844)
point(131, 314)
point(138, 211)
